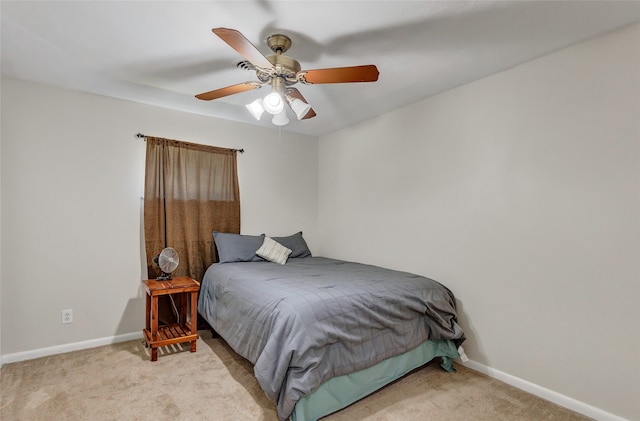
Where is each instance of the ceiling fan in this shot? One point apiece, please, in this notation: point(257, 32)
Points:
point(281, 72)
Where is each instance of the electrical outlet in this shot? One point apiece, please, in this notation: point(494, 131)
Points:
point(67, 316)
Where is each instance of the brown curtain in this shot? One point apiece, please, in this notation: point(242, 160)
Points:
point(190, 191)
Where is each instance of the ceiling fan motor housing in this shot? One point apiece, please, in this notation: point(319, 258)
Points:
point(283, 67)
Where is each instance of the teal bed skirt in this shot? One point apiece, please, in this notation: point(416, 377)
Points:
point(340, 392)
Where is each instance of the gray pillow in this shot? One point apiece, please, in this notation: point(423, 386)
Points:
point(296, 243)
point(237, 248)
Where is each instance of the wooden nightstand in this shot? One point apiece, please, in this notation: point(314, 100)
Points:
point(183, 331)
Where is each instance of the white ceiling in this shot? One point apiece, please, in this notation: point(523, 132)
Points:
point(163, 52)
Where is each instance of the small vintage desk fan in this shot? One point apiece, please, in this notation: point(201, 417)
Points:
point(167, 260)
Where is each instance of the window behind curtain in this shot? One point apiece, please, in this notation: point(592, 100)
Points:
point(190, 191)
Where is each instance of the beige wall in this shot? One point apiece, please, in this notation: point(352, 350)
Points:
point(72, 182)
point(521, 192)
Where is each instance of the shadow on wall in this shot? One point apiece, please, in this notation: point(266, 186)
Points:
point(143, 251)
point(132, 319)
point(471, 345)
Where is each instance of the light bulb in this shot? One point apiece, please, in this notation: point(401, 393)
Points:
point(273, 103)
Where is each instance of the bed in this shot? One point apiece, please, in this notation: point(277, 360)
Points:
point(320, 332)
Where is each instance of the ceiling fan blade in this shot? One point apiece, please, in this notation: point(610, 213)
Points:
point(238, 42)
point(294, 93)
point(367, 73)
point(229, 90)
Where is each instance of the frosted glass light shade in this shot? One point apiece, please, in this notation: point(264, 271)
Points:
point(281, 118)
point(255, 108)
point(273, 103)
point(299, 107)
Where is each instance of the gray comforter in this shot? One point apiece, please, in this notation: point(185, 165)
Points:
point(315, 318)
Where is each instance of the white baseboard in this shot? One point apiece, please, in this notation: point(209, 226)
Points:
point(544, 393)
point(59, 349)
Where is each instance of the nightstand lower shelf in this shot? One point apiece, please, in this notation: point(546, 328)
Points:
point(171, 334)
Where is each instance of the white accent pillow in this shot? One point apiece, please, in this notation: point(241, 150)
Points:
point(273, 251)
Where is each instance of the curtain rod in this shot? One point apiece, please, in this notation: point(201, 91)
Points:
point(144, 137)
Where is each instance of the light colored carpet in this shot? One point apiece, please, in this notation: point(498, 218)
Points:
point(118, 382)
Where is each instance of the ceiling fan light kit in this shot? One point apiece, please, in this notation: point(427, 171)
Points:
point(300, 108)
point(255, 108)
point(281, 72)
point(273, 103)
point(280, 119)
